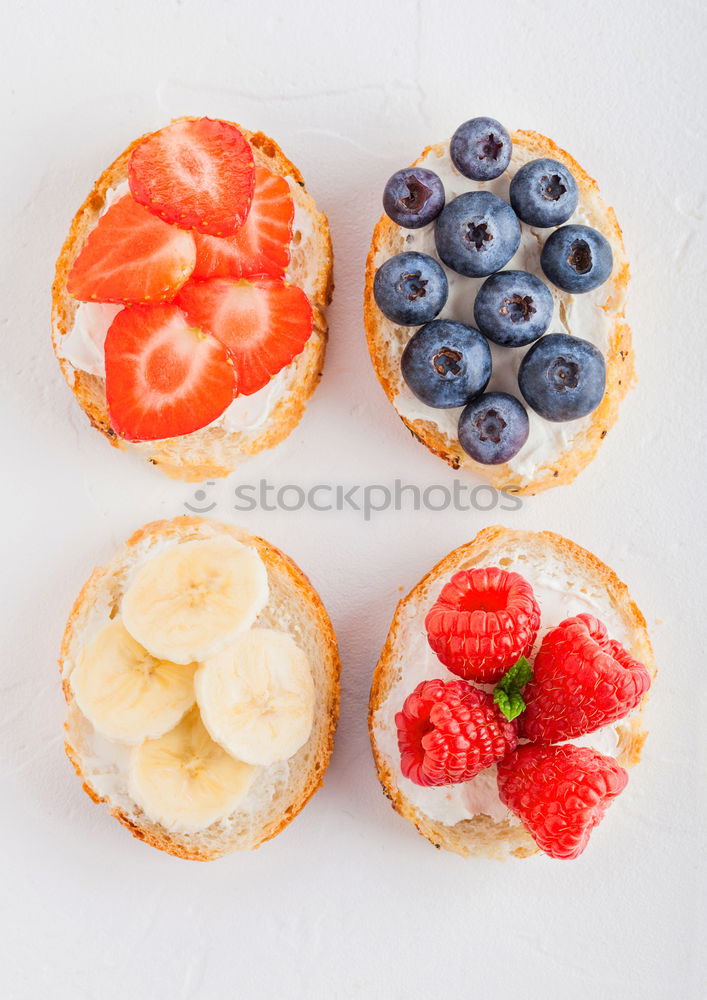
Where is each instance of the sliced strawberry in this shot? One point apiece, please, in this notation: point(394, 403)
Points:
point(261, 245)
point(131, 256)
point(198, 174)
point(164, 378)
point(262, 322)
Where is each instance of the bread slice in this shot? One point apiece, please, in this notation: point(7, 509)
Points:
point(567, 568)
point(386, 340)
point(213, 451)
point(280, 790)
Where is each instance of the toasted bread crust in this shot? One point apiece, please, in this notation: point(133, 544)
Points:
point(211, 452)
point(620, 369)
point(482, 835)
point(205, 847)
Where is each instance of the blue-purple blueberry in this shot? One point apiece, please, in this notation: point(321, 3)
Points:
point(513, 308)
point(477, 233)
point(577, 258)
point(493, 428)
point(481, 149)
point(413, 197)
point(544, 193)
point(446, 364)
point(410, 288)
point(562, 377)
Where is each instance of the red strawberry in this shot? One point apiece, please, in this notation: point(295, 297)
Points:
point(131, 256)
point(261, 245)
point(449, 731)
point(582, 680)
point(482, 622)
point(163, 377)
point(198, 174)
point(559, 793)
point(263, 323)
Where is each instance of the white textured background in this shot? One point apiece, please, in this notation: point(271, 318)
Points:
point(349, 901)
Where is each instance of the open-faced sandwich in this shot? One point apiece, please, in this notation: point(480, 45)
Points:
point(188, 304)
point(201, 675)
point(494, 306)
point(507, 705)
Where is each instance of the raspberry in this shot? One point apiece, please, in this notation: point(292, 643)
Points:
point(482, 621)
point(559, 793)
point(449, 731)
point(582, 680)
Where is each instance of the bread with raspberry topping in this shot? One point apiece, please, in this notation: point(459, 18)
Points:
point(563, 562)
point(213, 451)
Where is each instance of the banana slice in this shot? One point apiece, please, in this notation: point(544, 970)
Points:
point(127, 694)
point(257, 697)
point(184, 780)
point(191, 600)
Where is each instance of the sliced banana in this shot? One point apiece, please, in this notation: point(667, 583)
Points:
point(191, 600)
point(257, 696)
point(184, 780)
point(126, 693)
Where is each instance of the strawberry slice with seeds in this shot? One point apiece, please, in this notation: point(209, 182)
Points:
point(262, 244)
point(132, 257)
point(262, 322)
point(164, 377)
point(197, 174)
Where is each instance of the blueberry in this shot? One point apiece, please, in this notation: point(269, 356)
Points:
point(562, 377)
point(481, 149)
point(410, 289)
point(446, 364)
point(413, 197)
point(477, 233)
point(544, 193)
point(577, 258)
point(493, 428)
point(513, 308)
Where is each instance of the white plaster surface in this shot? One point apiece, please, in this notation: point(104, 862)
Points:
point(350, 901)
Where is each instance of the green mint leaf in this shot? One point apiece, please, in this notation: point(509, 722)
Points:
point(507, 694)
point(503, 701)
point(518, 675)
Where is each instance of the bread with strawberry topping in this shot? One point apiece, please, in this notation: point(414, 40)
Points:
point(608, 670)
point(283, 244)
point(263, 757)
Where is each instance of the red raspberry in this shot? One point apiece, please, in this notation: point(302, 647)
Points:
point(582, 680)
point(559, 793)
point(483, 620)
point(448, 731)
